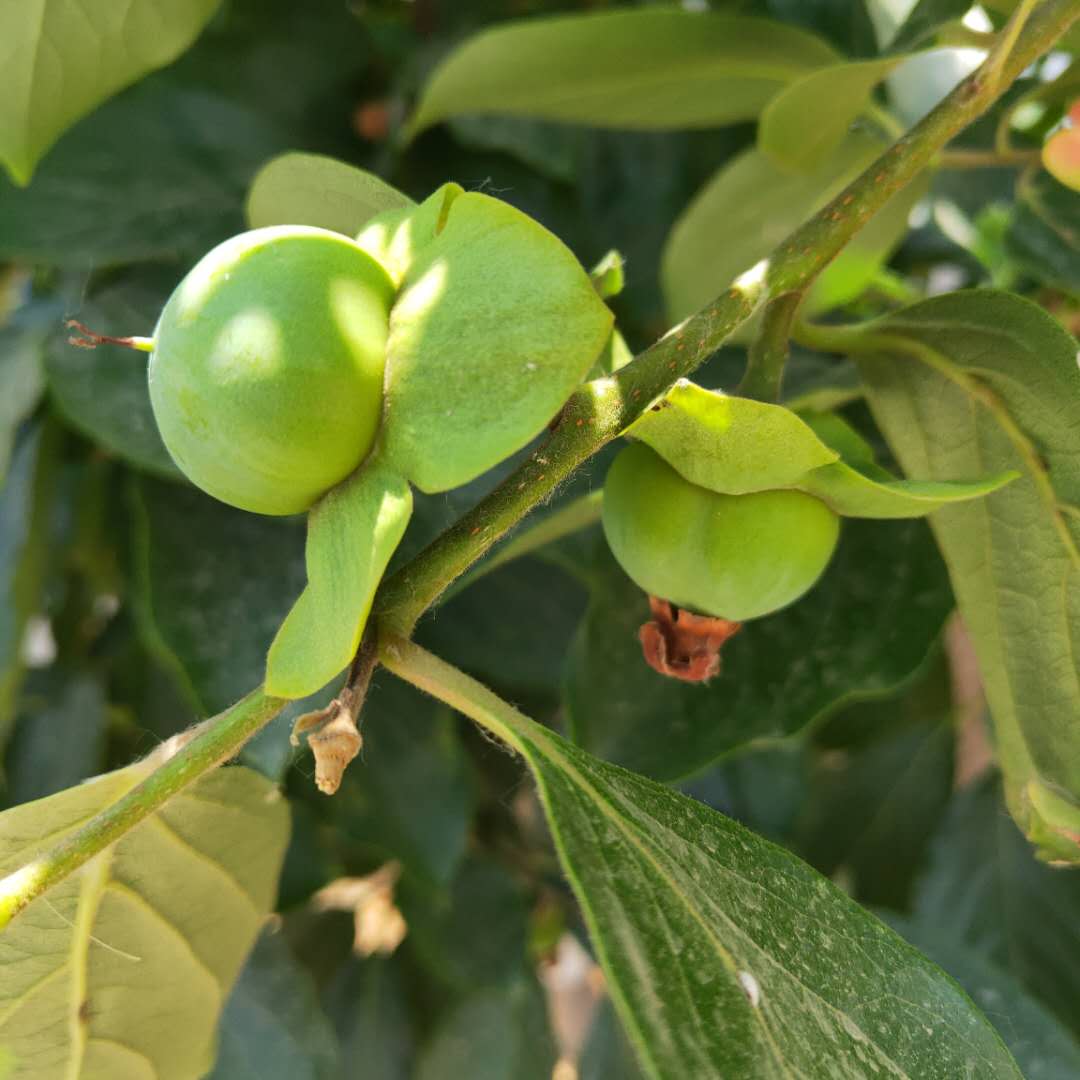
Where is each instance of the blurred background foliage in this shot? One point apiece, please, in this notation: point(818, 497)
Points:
point(134, 604)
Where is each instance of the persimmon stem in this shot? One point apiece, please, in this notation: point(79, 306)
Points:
point(769, 352)
point(90, 339)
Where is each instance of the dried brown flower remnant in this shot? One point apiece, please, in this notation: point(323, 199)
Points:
point(334, 740)
point(683, 645)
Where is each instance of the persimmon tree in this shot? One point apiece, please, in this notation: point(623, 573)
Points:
point(360, 464)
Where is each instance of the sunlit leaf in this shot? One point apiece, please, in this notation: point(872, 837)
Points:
point(119, 969)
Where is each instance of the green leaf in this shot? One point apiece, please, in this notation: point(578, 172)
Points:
point(125, 966)
point(492, 1035)
point(60, 62)
point(982, 380)
point(653, 69)
point(859, 634)
point(211, 586)
point(103, 392)
point(371, 1013)
point(726, 955)
point(272, 1027)
point(25, 520)
point(60, 736)
point(729, 444)
point(409, 797)
point(1042, 1047)
point(352, 532)
point(159, 173)
point(22, 381)
point(479, 360)
point(312, 189)
point(985, 890)
point(472, 934)
point(512, 629)
point(753, 205)
point(871, 808)
point(804, 124)
point(1044, 236)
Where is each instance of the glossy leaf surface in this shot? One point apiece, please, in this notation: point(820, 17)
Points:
point(655, 68)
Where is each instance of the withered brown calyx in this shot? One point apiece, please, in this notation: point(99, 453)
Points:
point(683, 645)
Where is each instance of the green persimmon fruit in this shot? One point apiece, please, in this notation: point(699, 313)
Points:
point(736, 557)
point(266, 375)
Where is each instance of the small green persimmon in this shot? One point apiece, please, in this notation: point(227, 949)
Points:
point(266, 375)
point(735, 557)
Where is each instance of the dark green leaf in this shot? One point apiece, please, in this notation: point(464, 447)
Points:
point(1044, 237)
point(726, 955)
point(22, 380)
point(160, 172)
point(871, 808)
point(103, 391)
point(654, 68)
point(986, 380)
point(492, 1035)
point(59, 739)
point(984, 889)
point(272, 1027)
point(1043, 1049)
point(61, 61)
point(550, 148)
point(212, 586)
point(25, 509)
point(472, 933)
point(371, 1014)
point(859, 633)
point(512, 629)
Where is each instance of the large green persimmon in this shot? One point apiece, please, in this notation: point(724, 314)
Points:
point(266, 376)
point(736, 557)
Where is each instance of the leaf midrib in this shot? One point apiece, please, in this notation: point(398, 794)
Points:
point(546, 748)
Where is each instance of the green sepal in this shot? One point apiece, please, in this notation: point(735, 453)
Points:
point(856, 486)
point(731, 445)
point(352, 532)
point(396, 237)
point(495, 324)
point(609, 275)
point(1051, 823)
